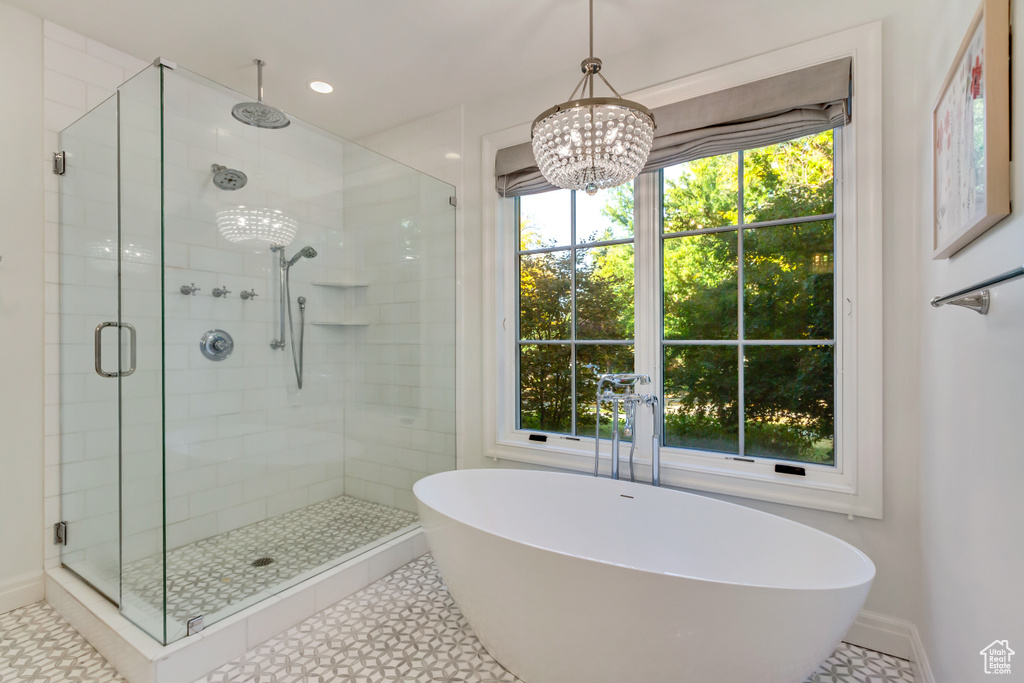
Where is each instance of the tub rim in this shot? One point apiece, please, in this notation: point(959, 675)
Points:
point(868, 563)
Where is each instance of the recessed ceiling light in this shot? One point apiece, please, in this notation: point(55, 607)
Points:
point(453, 155)
point(321, 86)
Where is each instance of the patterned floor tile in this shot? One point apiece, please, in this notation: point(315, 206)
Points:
point(404, 628)
point(853, 664)
point(36, 644)
point(217, 572)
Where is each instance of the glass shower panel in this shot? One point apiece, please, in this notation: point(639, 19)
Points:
point(255, 466)
point(89, 297)
point(142, 501)
point(400, 365)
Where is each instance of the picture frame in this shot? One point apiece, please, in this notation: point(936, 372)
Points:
point(971, 134)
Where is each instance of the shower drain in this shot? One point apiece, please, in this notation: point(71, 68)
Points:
point(262, 561)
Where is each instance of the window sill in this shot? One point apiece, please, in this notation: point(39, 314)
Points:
point(760, 483)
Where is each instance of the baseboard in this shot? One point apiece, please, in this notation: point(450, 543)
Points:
point(891, 636)
point(21, 590)
point(922, 669)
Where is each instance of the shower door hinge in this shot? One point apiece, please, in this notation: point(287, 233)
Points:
point(60, 533)
point(194, 625)
point(58, 163)
point(453, 201)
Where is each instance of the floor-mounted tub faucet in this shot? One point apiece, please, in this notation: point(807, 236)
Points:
point(619, 391)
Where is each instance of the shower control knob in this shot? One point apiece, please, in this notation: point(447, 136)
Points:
point(221, 291)
point(250, 294)
point(189, 289)
point(216, 345)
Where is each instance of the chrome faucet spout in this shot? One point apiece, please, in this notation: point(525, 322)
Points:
point(626, 400)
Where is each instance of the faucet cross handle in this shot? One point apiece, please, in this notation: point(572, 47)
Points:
point(627, 380)
point(189, 289)
point(221, 291)
point(248, 294)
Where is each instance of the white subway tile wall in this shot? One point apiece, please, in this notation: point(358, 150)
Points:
point(400, 368)
point(232, 442)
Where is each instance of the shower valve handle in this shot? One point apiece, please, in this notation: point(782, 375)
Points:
point(221, 291)
point(248, 294)
point(189, 289)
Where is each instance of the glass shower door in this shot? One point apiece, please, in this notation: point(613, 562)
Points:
point(88, 336)
point(110, 352)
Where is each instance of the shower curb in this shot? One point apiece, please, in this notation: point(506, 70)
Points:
point(141, 659)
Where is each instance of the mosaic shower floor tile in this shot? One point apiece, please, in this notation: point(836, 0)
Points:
point(404, 628)
point(224, 570)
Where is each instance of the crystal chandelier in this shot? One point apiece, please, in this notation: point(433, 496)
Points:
point(593, 142)
point(269, 226)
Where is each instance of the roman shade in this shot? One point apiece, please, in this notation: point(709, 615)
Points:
point(748, 116)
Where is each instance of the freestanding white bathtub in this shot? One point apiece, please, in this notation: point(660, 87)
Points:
point(573, 579)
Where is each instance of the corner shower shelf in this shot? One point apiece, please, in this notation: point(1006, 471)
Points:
point(341, 285)
point(339, 323)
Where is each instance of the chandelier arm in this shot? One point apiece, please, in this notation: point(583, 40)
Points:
point(581, 83)
point(609, 86)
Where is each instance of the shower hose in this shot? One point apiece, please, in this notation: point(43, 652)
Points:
point(296, 355)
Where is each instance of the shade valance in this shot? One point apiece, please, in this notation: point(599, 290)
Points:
point(748, 116)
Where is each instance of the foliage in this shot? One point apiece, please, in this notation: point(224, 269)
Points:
point(787, 287)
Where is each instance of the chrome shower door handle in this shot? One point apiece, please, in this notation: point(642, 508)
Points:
point(99, 350)
point(132, 352)
point(98, 342)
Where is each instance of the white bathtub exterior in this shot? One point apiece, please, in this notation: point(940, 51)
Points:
point(565, 579)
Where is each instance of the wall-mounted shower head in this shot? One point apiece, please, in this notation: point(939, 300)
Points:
point(259, 114)
point(307, 252)
point(228, 178)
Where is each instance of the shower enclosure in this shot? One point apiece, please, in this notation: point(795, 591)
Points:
point(209, 269)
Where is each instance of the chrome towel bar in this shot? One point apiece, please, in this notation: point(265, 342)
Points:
point(976, 296)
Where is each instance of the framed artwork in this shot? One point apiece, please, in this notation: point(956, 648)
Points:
point(971, 134)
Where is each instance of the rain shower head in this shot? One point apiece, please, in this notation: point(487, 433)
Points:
point(259, 114)
point(307, 252)
point(228, 178)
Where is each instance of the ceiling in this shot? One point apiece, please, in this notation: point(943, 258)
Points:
point(390, 61)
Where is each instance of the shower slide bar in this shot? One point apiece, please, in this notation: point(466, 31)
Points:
point(976, 296)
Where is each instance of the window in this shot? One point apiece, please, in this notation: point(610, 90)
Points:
point(755, 304)
point(748, 310)
point(747, 368)
point(575, 313)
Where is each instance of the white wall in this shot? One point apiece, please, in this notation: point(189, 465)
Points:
point(21, 303)
point(972, 395)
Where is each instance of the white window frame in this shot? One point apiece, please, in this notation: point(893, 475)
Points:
point(854, 485)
